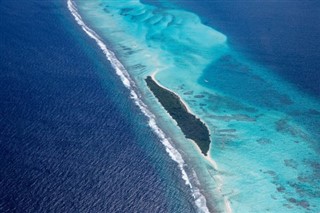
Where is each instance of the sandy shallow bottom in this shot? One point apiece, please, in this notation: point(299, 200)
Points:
point(264, 154)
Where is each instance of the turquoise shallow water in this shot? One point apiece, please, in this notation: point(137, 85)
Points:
point(265, 138)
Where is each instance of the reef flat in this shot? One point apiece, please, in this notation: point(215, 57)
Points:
point(191, 126)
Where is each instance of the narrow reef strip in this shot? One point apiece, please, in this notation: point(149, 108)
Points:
point(191, 126)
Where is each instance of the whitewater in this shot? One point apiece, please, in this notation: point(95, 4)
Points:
point(200, 200)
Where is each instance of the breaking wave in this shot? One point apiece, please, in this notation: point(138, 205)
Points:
point(200, 200)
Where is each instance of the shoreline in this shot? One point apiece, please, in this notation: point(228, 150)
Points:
point(192, 127)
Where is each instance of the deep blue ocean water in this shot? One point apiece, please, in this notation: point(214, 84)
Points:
point(71, 140)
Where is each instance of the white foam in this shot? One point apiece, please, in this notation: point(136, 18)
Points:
point(200, 200)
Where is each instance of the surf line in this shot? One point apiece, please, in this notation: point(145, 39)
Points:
point(200, 200)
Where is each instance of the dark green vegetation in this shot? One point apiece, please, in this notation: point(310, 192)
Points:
point(191, 126)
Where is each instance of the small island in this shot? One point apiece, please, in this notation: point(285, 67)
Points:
point(191, 126)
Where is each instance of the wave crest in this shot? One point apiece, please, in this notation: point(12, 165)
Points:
point(200, 200)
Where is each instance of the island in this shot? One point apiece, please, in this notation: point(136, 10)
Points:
point(192, 127)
